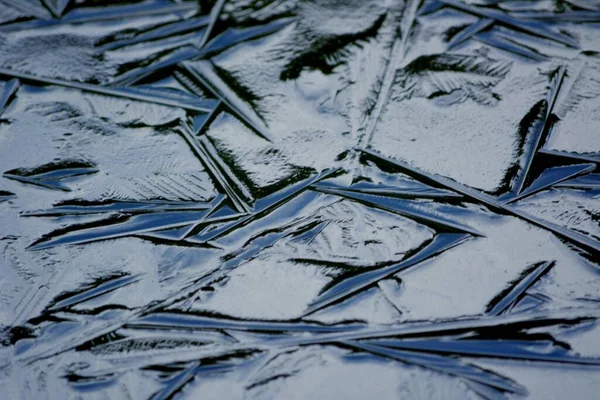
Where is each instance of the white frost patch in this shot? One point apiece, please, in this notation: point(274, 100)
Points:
point(463, 280)
point(70, 51)
point(577, 131)
point(267, 289)
point(572, 209)
point(360, 235)
point(468, 142)
point(546, 381)
point(117, 135)
point(370, 306)
point(585, 341)
point(333, 377)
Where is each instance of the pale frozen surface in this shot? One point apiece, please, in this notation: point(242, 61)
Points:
point(299, 199)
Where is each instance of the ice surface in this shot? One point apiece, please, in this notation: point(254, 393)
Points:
point(282, 199)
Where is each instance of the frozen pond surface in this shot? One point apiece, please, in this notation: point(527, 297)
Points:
point(289, 199)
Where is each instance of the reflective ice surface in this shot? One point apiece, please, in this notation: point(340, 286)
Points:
point(293, 199)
